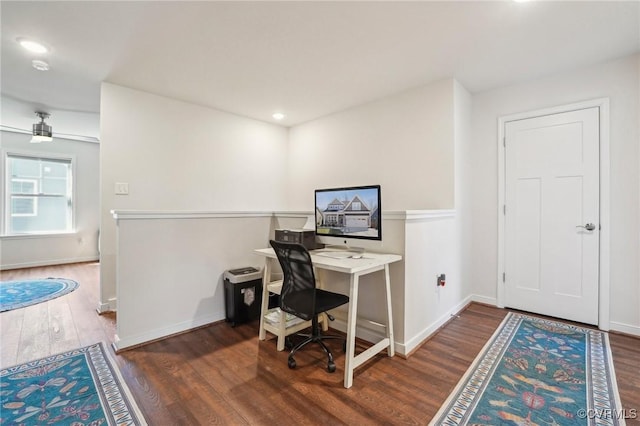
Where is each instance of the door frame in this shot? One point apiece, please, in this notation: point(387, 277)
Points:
point(603, 276)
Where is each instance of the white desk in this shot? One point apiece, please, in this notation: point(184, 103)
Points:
point(369, 263)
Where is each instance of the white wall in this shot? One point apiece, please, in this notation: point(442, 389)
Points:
point(387, 142)
point(463, 188)
point(179, 156)
point(618, 80)
point(430, 250)
point(406, 143)
point(79, 246)
point(403, 142)
point(170, 269)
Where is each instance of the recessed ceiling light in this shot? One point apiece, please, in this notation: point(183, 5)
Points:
point(33, 46)
point(278, 116)
point(40, 65)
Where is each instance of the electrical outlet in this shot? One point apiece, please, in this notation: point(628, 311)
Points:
point(122, 188)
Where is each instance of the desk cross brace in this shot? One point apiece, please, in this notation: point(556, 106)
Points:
point(351, 360)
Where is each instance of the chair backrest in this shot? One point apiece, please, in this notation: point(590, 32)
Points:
point(298, 295)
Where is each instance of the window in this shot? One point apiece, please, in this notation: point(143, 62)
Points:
point(24, 206)
point(39, 194)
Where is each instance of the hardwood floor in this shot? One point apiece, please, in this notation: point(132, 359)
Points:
point(224, 375)
point(58, 325)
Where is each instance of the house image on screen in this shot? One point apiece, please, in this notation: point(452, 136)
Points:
point(351, 216)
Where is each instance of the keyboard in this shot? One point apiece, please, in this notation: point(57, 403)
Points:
point(339, 254)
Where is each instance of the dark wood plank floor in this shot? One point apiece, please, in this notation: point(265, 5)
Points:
point(224, 375)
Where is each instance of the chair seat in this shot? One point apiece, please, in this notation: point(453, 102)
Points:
point(303, 300)
point(326, 300)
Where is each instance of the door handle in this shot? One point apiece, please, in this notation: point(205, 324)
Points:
point(588, 226)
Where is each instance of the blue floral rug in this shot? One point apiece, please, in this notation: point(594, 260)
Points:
point(18, 294)
point(80, 387)
point(537, 372)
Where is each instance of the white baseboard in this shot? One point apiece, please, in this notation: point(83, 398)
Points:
point(110, 306)
point(633, 330)
point(49, 262)
point(417, 340)
point(364, 329)
point(484, 299)
point(624, 328)
point(372, 333)
point(150, 336)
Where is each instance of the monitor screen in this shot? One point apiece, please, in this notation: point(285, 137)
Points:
point(353, 212)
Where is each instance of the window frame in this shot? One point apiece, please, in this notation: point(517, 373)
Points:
point(4, 194)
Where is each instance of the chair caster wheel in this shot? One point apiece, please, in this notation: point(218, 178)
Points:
point(292, 363)
point(331, 367)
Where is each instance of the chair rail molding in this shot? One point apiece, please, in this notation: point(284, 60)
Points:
point(151, 214)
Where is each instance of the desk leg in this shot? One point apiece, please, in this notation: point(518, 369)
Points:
point(351, 330)
point(282, 331)
point(320, 280)
point(266, 277)
point(387, 281)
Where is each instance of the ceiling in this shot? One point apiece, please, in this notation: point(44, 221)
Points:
point(305, 59)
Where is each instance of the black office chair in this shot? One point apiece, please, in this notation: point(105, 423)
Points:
point(300, 297)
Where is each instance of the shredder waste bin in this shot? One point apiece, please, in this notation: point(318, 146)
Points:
point(242, 294)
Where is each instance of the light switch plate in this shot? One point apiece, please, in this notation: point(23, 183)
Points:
point(122, 188)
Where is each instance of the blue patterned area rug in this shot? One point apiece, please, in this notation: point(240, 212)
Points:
point(18, 294)
point(537, 372)
point(80, 387)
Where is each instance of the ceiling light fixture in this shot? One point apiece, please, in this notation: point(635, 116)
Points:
point(33, 46)
point(42, 132)
point(278, 116)
point(40, 65)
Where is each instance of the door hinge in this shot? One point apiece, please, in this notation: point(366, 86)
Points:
point(504, 277)
point(504, 209)
point(504, 142)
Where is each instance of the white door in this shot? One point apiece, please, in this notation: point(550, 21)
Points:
point(552, 215)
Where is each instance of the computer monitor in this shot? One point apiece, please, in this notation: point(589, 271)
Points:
point(348, 213)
